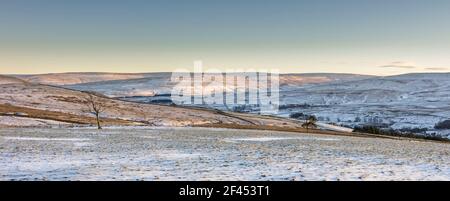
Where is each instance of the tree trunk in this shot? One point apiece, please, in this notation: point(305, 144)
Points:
point(98, 121)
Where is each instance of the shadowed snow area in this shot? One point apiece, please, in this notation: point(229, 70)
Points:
point(213, 154)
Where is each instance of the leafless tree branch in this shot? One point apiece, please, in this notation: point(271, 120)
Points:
point(95, 106)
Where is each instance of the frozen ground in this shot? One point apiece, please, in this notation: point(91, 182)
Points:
point(21, 121)
point(213, 154)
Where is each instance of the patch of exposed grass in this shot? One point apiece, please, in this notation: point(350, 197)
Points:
point(10, 110)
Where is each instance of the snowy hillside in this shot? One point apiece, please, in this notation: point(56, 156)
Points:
point(27, 104)
point(403, 101)
point(78, 78)
point(159, 83)
point(412, 100)
point(9, 80)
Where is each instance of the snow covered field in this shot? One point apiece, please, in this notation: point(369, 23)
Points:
point(213, 154)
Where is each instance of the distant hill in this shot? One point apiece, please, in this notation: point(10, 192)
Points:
point(78, 78)
point(73, 78)
point(159, 83)
point(10, 80)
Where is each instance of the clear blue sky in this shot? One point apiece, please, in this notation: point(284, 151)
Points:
point(353, 36)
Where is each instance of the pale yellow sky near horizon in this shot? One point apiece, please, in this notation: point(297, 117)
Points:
point(24, 64)
point(372, 61)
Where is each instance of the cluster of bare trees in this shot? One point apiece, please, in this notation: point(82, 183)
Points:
point(310, 120)
point(310, 123)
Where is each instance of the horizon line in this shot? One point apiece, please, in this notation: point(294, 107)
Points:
point(155, 72)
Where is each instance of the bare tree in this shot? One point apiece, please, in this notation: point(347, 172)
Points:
point(310, 123)
point(95, 106)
